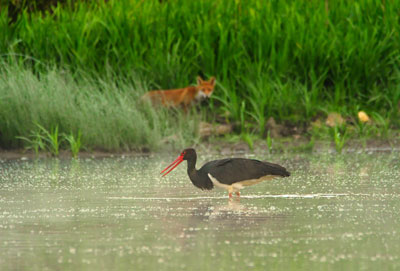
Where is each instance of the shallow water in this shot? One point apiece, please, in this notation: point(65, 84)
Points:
point(336, 212)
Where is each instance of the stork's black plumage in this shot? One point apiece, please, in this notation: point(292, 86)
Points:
point(231, 174)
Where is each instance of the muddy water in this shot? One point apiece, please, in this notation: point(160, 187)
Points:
point(336, 212)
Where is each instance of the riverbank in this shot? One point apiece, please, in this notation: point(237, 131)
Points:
point(224, 148)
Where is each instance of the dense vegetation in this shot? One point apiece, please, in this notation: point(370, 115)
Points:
point(293, 60)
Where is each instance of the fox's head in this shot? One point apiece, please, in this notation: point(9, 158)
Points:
point(205, 88)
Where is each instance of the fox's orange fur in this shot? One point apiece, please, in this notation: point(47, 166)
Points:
point(182, 96)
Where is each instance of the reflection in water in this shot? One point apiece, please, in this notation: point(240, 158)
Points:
point(208, 220)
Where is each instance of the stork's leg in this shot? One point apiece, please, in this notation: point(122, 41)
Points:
point(230, 191)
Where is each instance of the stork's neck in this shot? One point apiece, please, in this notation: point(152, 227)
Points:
point(198, 177)
point(191, 165)
point(193, 173)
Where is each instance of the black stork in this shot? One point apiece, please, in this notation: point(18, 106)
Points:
point(231, 174)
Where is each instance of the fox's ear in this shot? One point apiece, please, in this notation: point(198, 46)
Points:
point(199, 80)
point(212, 80)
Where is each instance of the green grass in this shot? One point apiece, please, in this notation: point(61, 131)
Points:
point(48, 140)
point(33, 141)
point(52, 139)
point(107, 114)
point(74, 142)
point(339, 137)
point(290, 60)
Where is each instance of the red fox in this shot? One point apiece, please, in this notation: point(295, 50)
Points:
point(182, 96)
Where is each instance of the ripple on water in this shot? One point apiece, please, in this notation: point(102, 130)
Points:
point(336, 211)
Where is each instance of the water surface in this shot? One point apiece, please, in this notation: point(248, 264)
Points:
point(336, 212)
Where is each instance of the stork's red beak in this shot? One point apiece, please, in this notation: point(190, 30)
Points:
point(173, 165)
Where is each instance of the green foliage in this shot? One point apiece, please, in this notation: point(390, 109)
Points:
point(290, 60)
point(34, 141)
point(74, 142)
point(382, 125)
point(248, 139)
point(42, 139)
point(109, 114)
point(51, 138)
point(339, 137)
point(171, 42)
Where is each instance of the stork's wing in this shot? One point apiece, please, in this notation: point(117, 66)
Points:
point(233, 170)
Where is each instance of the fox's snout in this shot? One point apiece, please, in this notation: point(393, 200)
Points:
point(207, 92)
point(202, 95)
